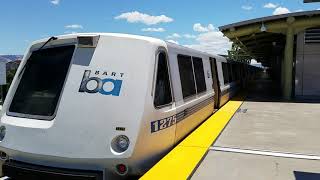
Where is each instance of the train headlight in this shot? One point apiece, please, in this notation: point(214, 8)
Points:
point(2, 132)
point(120, 143)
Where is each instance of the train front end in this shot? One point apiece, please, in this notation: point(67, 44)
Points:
point(75, 107)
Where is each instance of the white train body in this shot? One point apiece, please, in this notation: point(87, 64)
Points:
point(109, 89)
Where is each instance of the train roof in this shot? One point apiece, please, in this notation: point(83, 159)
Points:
point(138, 37)
point(177, 46)
point(129, 36)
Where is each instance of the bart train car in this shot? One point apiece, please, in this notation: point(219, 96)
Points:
point(87, 106)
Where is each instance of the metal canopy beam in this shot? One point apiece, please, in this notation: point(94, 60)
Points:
point(253, 36)
point(311, 1)
point(279, 26)
point(271, 38)
point(269, 41)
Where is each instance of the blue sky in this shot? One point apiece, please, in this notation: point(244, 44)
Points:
point(190, 23)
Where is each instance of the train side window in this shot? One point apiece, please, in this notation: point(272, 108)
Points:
point(186, 76)
point(225, 73)
point(162, 95)
point(199, 74)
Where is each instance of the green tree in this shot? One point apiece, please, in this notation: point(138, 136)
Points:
point(10, 76)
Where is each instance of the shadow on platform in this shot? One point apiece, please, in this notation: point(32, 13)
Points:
point(265, 89)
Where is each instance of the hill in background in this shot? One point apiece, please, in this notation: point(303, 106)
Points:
point(9, 58)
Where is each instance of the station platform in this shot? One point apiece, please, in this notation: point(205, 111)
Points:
point(265, 138)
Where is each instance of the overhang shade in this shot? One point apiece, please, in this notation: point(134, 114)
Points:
point(263, 38)
point(311, 1)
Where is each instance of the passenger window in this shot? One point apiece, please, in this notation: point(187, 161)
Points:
point(199, 74)
point(186, 76)
point(225, 73)
point(162, 95)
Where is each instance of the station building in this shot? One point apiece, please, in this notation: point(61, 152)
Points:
point(288, 44)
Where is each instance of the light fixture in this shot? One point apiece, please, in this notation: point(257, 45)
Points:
point(263, 28)
point(88, 41)
point(3, 156)
point(120, 143)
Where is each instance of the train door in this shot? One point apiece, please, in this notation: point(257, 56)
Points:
point(216, 83)
point(165, 111)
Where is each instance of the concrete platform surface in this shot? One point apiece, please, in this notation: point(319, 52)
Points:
point(286, 128)
point(234, 166)
point(274, 126)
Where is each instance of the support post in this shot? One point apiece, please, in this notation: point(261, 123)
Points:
point(282, 74)
point(288, 61)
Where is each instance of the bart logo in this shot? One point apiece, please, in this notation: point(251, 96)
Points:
point(105, 86)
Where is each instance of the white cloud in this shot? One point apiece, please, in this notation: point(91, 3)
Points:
point(212, 42)
point(299, 10)
point(255, 63)
point(74, 26)
point(44, 36)
point(153, 29)
point(199, 28)
point(173, 41)
point(55, 2)
point(281, 10)
point(247, 7)
point(137, 17)
point(70, 32)
point(318, 9)
point(189, 36)
point(174, 36)
point(270, 6)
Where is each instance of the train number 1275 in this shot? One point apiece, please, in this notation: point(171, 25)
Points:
point(163, 123)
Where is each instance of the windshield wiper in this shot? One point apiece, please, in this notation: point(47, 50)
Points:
point(50, 39)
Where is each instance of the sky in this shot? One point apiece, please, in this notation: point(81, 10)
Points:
point(188, 23)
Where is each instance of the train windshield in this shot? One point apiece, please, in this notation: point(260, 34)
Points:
point(41, 83)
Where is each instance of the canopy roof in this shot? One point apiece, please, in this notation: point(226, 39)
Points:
point(262, 38)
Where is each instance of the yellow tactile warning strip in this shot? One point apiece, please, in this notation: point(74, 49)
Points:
point(180, 162)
